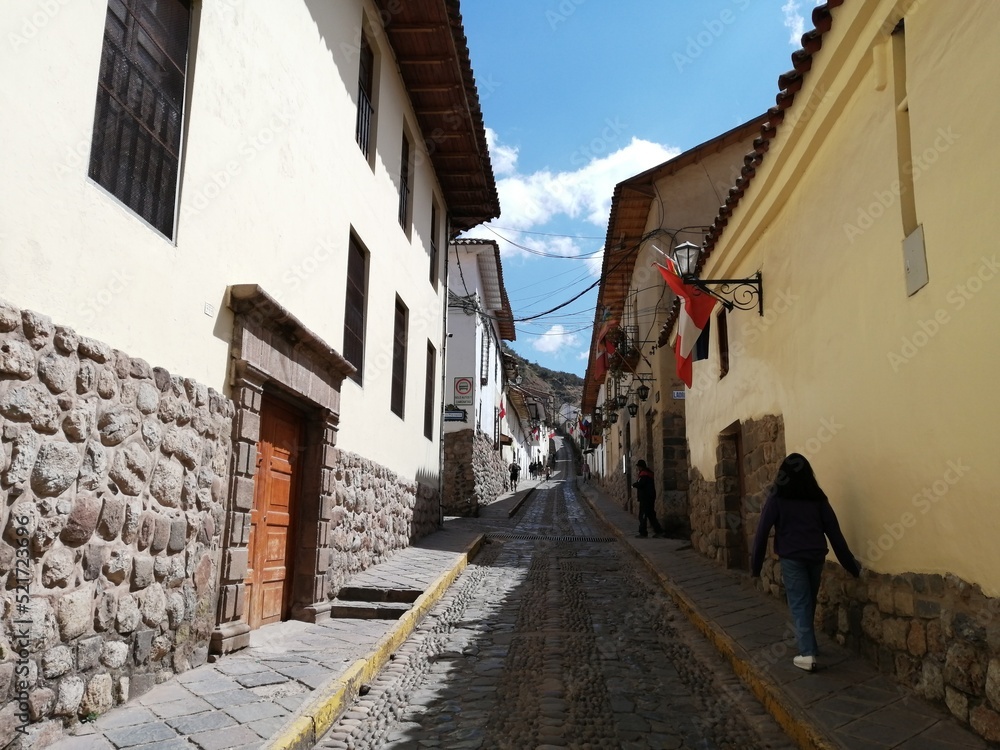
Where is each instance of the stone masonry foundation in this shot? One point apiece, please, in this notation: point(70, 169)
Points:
point(935, 634)
point(112, 487)
point(474, 473)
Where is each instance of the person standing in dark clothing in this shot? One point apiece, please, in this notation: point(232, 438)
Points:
point(803, 519)
point(515, 472)
point(646, 492)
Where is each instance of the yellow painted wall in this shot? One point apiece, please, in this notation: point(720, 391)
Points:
point(272, 184)
point(890, 397)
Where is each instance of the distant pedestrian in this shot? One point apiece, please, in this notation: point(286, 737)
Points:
point(646, 491)
point(803, 520)
point(515, 472)
point(586, 471)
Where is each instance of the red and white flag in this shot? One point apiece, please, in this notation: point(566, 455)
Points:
point(604, 349)
point(503, 409)
point(696, 311)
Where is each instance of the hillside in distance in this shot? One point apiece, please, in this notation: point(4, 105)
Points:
point(565, 387)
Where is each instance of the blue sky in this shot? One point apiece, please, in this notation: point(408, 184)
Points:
point(578, 95)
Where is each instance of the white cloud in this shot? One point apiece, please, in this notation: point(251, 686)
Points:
point(795, 21)
point(530, 201)
point(555, 339)
point(595, 264)
point(503, 158)
point(533, 200)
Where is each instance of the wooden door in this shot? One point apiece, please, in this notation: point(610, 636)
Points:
point(269, 572)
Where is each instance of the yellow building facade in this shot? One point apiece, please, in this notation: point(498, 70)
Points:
point(865, 205)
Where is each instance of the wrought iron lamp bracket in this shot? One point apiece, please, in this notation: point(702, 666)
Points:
point(743, 294)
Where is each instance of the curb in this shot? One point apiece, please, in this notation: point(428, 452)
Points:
point(791, 720)
point(517, 506)
point(306, 726)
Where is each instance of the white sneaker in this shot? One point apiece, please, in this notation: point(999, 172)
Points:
point(807, 663)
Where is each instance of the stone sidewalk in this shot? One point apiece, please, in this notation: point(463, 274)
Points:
point(296, 678)
point(847, 704)
point(290, 672)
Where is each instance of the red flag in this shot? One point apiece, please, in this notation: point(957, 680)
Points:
point(696, 311)
point(605, 347)
point(503, 410)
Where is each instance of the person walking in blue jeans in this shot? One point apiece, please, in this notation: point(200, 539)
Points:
point(801, 515)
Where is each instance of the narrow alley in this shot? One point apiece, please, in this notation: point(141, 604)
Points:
point(555, 637)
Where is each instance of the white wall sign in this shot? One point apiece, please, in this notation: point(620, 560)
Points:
point(463, 392)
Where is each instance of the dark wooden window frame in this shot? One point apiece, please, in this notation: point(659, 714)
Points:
point(139, 115)
point(399, 345)
point(434, 248)
point(405, 179)
point(363, 129)
point(355, 303)
point(430, 375)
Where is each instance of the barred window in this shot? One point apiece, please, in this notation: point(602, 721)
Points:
point(354, 309)
point(434, 245)
point(404, 184)
point(399, 358)
point(135, 153)
point(366, 98)
point(429, 410)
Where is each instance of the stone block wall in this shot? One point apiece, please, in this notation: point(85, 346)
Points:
point(938, 635)
point(672, 499)
point(474, 473)
point(613, 485)
point(724, 519)
point(702, 501)
point(375, 514)
point(112, 486)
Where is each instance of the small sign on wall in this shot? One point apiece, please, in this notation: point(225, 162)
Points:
point(463, 392)
point(678, 395)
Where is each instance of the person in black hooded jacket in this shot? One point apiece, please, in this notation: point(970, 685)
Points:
point(646, 492)
point(803, 520)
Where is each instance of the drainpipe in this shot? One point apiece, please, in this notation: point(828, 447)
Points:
point(444, 371)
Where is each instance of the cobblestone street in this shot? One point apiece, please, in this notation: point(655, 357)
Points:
point(555, 637)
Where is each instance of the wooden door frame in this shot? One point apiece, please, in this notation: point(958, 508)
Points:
point(272, 349)
point(731, 484)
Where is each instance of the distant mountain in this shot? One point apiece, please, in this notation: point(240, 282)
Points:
point(565, 387)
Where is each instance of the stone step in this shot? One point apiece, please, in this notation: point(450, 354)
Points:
point(370, 594)
point(367, 610)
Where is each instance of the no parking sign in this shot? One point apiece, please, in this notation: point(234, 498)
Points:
point(463, 392)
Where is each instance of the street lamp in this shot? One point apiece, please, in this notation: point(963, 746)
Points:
point(642, 391)
point(633, 409)
point(743, 293)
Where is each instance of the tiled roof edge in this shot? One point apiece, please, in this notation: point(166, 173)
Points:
point(788, 85)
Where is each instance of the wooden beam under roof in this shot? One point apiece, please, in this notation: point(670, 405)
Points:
point(435, 88)
point(415, 28)
point(424, 60)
